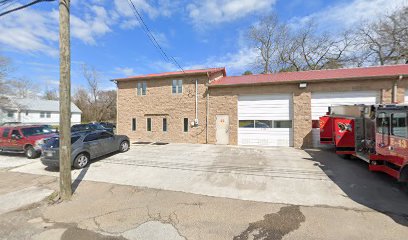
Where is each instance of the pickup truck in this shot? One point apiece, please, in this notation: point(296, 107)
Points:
point(27, 139)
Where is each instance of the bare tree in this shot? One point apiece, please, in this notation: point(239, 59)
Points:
point(282, 48)
point(23, 88)
point(385, 41)
point(265, 37)
point(50, 94)
point(96, 104)
point(4, 68)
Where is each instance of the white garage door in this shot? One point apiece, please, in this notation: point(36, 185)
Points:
point(265, 120)
point(321, 102)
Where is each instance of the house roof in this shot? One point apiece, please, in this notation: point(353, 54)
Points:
point(315, 75)
point(173, 74)
point(40, 105)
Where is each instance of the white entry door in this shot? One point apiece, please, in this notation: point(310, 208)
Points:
point(322, 100)
point(406, 96)
point(265, 120)
point(222, 131)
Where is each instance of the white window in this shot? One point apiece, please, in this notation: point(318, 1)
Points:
point(141, 88)
point(10, 114)
point(45, 114)
point(177, 86)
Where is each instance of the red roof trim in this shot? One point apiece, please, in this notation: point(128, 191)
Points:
point(178, 73)
point(315, 75)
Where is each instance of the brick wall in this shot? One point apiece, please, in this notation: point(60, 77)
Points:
point(159, 103)
point(223, 100)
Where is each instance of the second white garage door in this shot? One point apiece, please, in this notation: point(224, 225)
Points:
point(321, 102)
point(265, 120)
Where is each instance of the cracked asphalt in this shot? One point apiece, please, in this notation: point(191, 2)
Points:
point(103, 210)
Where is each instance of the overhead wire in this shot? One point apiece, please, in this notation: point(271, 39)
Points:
point(152, 38)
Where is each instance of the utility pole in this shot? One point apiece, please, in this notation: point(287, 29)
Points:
point(65, 101)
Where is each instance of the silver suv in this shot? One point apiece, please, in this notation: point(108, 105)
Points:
point(85, 146)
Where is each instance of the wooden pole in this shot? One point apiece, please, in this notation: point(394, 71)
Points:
point(65, 101)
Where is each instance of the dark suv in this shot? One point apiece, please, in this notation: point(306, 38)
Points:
point(90, 127)
point(27, 139)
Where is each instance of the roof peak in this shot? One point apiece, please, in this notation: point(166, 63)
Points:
point(176, 73)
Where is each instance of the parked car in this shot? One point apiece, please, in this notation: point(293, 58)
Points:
point(89, 127)
point(85, 147)
point(10, 123)
point(108, 125)
point(27, 139)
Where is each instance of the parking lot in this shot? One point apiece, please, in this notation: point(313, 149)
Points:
point(276, 175)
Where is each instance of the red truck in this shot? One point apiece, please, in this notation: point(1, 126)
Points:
point(377, 134)
point(27, 139)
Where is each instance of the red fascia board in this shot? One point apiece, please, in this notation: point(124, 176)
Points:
point(175, 74)
point(316, 75)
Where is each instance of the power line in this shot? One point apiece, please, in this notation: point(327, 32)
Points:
point(22, 6)
point(151, 37)
point(7, 4)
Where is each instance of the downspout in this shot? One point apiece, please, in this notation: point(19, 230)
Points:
point(208, 110)
point(196, 103)
point(395, 90)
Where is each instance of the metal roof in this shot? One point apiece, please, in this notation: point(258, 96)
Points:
point(172, 74)
point(40, 105)
point(315, 75)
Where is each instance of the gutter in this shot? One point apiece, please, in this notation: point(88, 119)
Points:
point(308, 81)
point(395, 89)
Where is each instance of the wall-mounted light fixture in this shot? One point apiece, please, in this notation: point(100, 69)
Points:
point(302, 85)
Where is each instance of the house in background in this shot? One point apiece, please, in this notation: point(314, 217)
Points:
point(35, 111)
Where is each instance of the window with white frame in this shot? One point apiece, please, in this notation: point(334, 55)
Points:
point(45, 114)
point(141, 88)
point(10, 114)
point(177, 86)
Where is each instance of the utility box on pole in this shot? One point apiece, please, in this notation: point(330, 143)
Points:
point(65, 101)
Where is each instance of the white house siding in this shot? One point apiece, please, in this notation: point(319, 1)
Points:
point(33, 117)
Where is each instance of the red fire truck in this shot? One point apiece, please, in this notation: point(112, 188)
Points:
point(377, 134)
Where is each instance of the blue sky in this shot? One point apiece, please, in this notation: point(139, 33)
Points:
point(198, 33)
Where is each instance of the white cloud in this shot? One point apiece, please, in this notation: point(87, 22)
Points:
point(152, 8)
point(204, 12)
point(236, 62)
point(348, 14)
point(30, 31)
point(126, 71)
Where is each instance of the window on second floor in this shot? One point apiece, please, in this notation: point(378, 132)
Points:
point(141, 88)
point(10, 114)
point(177, 86)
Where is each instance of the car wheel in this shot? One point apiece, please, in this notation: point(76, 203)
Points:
point(124, 146)
point(30, 152)
point(81, 161)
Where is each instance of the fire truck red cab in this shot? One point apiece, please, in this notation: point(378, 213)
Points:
point(377, 134)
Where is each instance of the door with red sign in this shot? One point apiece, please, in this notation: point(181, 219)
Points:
point(222, 132)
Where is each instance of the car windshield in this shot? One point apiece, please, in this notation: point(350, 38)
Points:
point(32, 131)
point(54, 142)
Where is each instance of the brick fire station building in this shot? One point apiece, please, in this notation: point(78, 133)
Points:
point(282, 109)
